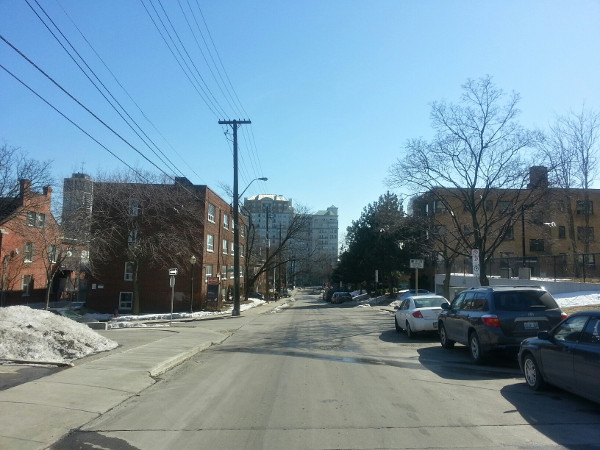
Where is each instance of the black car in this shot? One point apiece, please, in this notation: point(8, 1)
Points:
point(568, 356)
point(497, 318)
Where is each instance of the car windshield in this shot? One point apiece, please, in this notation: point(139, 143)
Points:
point(524, 300)
point(429, 302)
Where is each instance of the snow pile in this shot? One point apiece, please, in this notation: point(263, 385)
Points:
point(578, 299)
point(39, 335)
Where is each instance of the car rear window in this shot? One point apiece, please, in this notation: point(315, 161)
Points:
point(429, 302)
point(524, 301)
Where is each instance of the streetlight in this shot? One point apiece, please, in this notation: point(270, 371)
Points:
point(236, 245)
point(193, 263)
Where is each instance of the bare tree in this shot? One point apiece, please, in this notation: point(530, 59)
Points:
point(145, 221)
point(472, 168)
point(571, 151)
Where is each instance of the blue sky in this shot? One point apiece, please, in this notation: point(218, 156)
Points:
point(334, 89)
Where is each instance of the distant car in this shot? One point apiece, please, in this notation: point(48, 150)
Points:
point(568, 356)
point(497, 318)
point(419, 313)
point(404, 294)
point(257, 295)
point(341, 297)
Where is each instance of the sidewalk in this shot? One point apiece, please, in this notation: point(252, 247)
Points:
point(39, 413)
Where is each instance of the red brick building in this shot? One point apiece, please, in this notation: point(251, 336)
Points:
point(165, 225)
point(29, 247)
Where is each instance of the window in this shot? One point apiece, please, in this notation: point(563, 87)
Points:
point(505, 206)
point(585, 234)
point(570, 329)
point(134, 207)
point(37, 220)
point(128, 271)
point(52, 253)
point(562, 232)
point(509, 234)
point(223, 271)
point(585, 207)
point(210, 243)
point(439, 207)
point(232, 252)
point(209, 271)
point(591, 333)
point(226, 221)
point(243, 231)
point(536, 245)
point(27, 285)
point(489, 205)
point(132, 237)
point(126, 300)
point(211, 212)
point(590, 259)
point(28, 252)
point(241, 250)
point(225, 243)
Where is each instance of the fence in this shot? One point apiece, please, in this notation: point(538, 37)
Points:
point(580, 266)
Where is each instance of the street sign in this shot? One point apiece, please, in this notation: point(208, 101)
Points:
point(172, 272)
point(475, 258)
point(417, 263)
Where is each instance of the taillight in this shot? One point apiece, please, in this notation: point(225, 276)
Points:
point(563, 315)
point(417, 314)
point(491, 321)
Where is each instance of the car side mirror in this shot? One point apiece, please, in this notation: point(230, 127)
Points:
point(446, 306)
point(544, 335)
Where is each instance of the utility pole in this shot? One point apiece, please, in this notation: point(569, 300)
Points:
point(267, 255)
point(236, 231)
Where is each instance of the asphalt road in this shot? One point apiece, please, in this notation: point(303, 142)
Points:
point(321, 376)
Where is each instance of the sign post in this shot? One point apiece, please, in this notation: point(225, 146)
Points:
point(417, 264)
point(172, 274)
point(475, 259)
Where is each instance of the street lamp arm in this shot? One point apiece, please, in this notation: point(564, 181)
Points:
point(261, 179)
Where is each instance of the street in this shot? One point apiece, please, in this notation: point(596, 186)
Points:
point(316, 375)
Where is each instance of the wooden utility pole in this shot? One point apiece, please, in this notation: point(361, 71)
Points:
point(236, 231)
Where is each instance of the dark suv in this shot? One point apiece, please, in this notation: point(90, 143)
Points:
point(497, 318)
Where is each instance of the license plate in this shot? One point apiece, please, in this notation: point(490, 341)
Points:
point(530, 325)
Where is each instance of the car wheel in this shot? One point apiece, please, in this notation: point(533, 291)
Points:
point(446, 343)
point(398, 329)
point(475, 348)
point(409, 332)
point(533, 377)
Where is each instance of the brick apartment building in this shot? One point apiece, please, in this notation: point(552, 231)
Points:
point(29, 247)
point(548, 230)
point(159, 227)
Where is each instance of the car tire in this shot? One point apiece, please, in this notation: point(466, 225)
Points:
point(446, 343)
point(409, 332)
point(531, 370)
point(475, 348)
point(398, 329)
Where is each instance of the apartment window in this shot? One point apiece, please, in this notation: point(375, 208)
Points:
point(223, 271)
point(211, 212)
point(562, 232)
point(52, 253)
point(126, 300)
point(27, 285)
point(226, 221)
point(210, 243)
point(37, 220)
point(588, 259)
point(585, 207)
point(242, 250)
point(225, 244)
point(128, 271)
point(509, 234)
point(504, 206)
point(209, 271)
point(134, 207)
point(132, 237)
point(232, 252)
point(536, 245)
point(585, 234)
point(489, 205)
point(28, 252)
point(243, 231)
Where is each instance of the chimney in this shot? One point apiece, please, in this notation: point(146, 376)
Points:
point(538, 177)
point(25, 187)
point(48, 191)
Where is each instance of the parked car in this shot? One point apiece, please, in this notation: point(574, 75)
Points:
point(404, 294)
point(419, 313)
point(257, 295)
point(568, 356)
point(497, 318)
point(341, 297)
